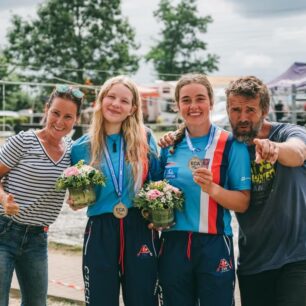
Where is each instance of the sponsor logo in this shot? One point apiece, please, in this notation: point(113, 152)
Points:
point(171, 173)
point(144, 251)
point(224, 266)
point(86, 274)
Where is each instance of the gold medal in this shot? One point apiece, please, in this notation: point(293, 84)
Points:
point(195, 163)
point(120, 210)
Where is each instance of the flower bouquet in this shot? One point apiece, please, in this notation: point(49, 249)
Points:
point(80, 180)
point(157, 201)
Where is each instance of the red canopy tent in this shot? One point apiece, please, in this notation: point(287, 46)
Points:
point(148, 92)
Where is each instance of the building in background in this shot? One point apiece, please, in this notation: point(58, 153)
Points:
point(150, 103)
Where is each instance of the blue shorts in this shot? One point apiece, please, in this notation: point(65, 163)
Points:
point(196, 268)
point(120, 252)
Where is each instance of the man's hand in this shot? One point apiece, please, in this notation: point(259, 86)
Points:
point(167, 140)
point(266, 150)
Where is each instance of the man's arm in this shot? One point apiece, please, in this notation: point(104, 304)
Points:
point(167, 140)
point(291, 153)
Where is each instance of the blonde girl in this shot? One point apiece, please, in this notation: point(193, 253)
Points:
point(119, 249)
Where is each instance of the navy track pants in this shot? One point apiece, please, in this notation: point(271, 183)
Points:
point(196, 269)
point(120, 252)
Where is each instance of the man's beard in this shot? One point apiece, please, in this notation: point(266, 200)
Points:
point(247, 136)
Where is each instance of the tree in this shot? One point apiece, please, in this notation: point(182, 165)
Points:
point(75, 40)
point(15, 99)
point(181, 48)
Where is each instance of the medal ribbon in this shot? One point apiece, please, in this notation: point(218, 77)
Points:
point(117, 183)
point(118, 187)
point(212, 131)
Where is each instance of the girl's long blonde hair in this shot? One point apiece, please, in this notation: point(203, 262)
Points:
point(133, 131)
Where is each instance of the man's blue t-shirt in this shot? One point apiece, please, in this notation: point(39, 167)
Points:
point(273, 230)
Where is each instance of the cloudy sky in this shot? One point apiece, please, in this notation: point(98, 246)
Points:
point(259, 37)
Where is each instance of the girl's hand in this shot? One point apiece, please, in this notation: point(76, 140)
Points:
point(70, 202)
point(73, 206)
point(204, 178)
point(160, 228)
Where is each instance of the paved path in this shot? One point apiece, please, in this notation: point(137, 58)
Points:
point(65, 277)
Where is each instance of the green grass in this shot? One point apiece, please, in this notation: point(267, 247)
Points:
point(65, 247)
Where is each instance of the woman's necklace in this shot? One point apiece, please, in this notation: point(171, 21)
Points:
point(114, 145)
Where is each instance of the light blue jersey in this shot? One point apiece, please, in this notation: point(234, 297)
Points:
point(106, 197)
point(230, 164)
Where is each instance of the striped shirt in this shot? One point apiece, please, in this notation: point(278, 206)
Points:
point(31, 179)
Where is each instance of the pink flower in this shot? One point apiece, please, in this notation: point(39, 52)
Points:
point(87, 168)
point(153, 194)
point(171, 188)
point(176, 190)
point(71, 171)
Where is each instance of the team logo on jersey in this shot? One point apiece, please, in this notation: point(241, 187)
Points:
point(170, 173)
point(224, 266)
point(144, 251)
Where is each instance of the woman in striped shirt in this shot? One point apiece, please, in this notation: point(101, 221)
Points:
point(30, 163)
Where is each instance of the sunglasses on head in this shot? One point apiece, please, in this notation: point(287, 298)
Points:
point(63, 89)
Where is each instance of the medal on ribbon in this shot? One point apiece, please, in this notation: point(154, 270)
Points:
point(120, 210)
point(196, 162)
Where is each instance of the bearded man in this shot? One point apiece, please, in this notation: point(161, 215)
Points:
point(272, 234)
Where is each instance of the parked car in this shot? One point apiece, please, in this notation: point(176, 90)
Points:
point(219, 115)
